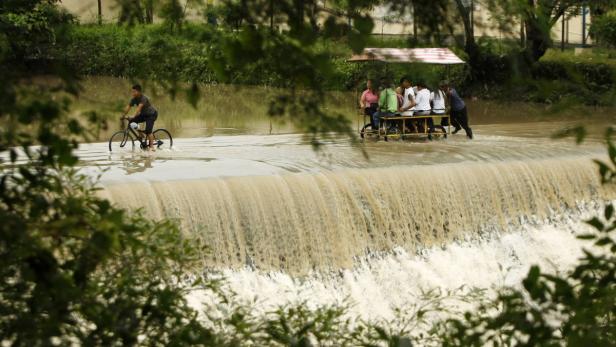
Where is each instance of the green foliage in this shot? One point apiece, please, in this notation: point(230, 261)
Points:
point(193, 53)
point(603, 29)
point(75, 270)
point(135, 11)
point(538, 17)
point(197, 54)
point(138, 52)
point(575, 309)
point(299, 324)
point(30, 26)
point(556, 78)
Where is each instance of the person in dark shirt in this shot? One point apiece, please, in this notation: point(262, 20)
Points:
point(145, 113)
point(459, 114)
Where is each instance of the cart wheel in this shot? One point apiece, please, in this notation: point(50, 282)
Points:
point(366, 131)
point(394, 132)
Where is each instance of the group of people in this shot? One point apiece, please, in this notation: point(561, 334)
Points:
point(418, 100)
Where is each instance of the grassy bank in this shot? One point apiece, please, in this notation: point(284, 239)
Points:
point(151, 52)
point(154, 53)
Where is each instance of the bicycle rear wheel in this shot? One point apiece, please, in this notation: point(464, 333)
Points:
point(162, 139)
point(121, 141)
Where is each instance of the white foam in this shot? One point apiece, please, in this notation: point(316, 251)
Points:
point(376, 287)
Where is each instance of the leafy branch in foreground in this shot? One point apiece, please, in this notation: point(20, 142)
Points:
point(575, 309)
point(75, 270)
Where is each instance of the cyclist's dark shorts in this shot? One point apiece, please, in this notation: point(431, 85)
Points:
point(149, 120)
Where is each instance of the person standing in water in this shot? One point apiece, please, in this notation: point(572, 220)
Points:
point(459, 113)
point(145, 113)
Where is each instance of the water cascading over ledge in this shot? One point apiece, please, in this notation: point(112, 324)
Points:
point(323, 221)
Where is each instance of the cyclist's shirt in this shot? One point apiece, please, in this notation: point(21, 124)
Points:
point(148, 109)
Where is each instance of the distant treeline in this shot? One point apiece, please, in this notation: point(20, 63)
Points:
point(193, 53)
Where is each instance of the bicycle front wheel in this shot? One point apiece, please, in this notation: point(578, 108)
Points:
point(162, 139)
point(121, 141)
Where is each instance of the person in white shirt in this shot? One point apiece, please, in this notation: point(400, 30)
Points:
point(423, 107)
point(422, 99)
point(437, 99)
point(408, 101)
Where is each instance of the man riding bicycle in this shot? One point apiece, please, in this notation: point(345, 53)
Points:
point(145, 113)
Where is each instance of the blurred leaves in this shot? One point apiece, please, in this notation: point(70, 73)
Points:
point(74, 269)
point(576, 309)
point(77, 270)
point(603, 29)
point(578, 132)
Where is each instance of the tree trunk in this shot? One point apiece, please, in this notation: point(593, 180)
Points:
point(100, 12)
point(415, 22)
point(271, 15)
point(537, 40)
point(522, 35)
point(149, 11)
point(538, 22)
point(470, 45)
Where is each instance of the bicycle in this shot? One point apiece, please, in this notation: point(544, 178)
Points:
point(124, 140)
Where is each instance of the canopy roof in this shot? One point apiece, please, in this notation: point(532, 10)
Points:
point(442, 56)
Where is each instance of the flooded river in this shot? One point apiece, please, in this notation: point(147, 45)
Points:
point(374, 223)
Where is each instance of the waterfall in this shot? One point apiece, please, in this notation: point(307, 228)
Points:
point(298, 223)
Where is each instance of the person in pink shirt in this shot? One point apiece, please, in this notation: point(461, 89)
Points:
point(369, 99)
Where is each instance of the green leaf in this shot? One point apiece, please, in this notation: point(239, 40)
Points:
point(611, 151)
point(609, 212)
point(596, 223)
point(356, 41)
point(578, 132)
point(363, 24)
point(587, 237)
point(382, 333)
point(533, 274)
point(604, 241)
point(13, 154)
point(605, 171)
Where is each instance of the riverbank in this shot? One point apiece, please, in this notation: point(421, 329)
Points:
point(192, 54)
point(214, 114)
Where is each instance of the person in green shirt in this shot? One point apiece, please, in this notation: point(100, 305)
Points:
point(388, 103)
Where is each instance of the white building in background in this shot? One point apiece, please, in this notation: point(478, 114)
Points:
point(386, 22)
point(389, 23)
point(87, 10)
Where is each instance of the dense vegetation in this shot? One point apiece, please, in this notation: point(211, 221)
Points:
point(155, 53)
point(604, 29)
point(77, 271)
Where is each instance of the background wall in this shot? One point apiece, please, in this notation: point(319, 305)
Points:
point(385, 22)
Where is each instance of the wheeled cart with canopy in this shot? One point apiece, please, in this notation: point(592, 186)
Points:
point(436, 56)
